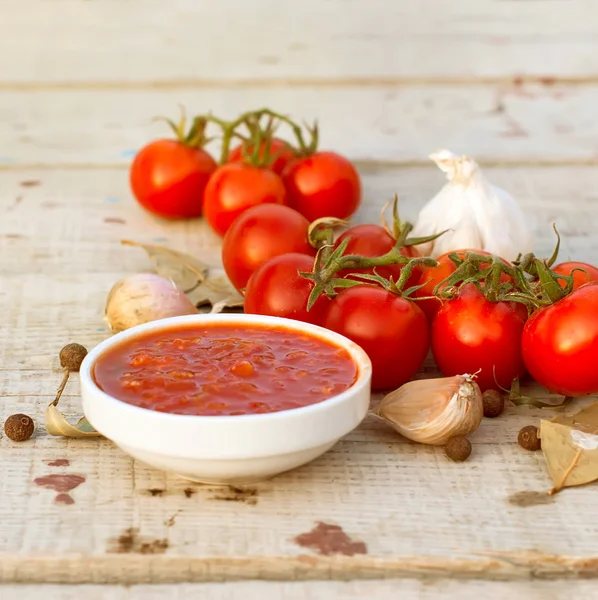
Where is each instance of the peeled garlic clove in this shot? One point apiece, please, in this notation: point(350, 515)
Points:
point(143, 298)
point(431, 411)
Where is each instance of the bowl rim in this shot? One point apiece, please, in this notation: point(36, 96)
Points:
point(359, 356)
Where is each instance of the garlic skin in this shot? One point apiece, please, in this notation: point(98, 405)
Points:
point(431, 411)
point(478, 215)
point(143, 298)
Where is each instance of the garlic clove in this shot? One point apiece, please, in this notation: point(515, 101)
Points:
point(142, 298)
point(431, 411)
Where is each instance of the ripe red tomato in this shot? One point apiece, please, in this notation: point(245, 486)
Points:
point(372, 241)
point(579, 277)
point(560, 344)
point(169, 178)
point(470, 333)
point(431, 276)
point(278, 148)
point(323, 185)
point(235, 187)
point(392, 330)
point(259, 234)
point(277, 289)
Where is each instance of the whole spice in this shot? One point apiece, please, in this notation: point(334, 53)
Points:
point(143, 298)
point(478, 214)
point(458, 448)
point(431, 411)
point(494, 403)
point(19, 427)
point(71, 356)
point(529, 439)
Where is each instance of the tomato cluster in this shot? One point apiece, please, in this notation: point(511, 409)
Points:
point(467, 306)
point(178, 178)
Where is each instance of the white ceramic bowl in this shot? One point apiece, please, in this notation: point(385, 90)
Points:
point(227, 449)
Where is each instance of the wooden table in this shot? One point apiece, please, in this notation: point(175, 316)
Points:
point(514, 84)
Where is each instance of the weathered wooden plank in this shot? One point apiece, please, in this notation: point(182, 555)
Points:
point(412, 589)
point(431, 517)
point(195, 42)
point(500, 123)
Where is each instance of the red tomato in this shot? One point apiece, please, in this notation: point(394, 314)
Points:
point(277, 289)
point(372, 241)
point(431, 276)
point(579, 277)
point(560, 344)
point(169, 178)
point(392, 330)
point(235, 187)
point(279, 148)
point(470, 333)
point(259, 234)
point(323, 185)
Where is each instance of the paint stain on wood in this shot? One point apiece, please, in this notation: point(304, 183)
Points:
point(116, 220)
point(189, 492)
point(329, 539)
point(60, 483)
point(130, 542)
point(528, 498)
point(59, 462)
point(155, 492)
point(28, 183)
point(64, 499)
point(235, 494)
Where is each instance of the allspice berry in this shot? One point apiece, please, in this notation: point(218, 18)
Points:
point(529, 439)
point(71, 356)
point(458, 448)
point(494, 403)
point(19, 427)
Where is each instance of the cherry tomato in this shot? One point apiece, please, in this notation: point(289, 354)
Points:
point(579, 277)
point(323, 185)
point(235, 187)
point(169, 178)
point(373, 241)
point(392, 330)
point(277, 289)
point(259, 234)
point(471, 333)
point(279, 149)
point(431, 276)
point(560, 344)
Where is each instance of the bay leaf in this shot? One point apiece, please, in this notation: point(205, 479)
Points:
point(56, 424)
point(218, 292)
point(202, 285)
point(185, 270)
point(570, 448)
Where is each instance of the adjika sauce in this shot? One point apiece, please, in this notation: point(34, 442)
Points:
point(224, 370)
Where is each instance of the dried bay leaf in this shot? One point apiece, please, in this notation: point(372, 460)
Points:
point(56, 424)
point(570, 448)
point(202, 285)
point(185, 270)
point(218, 292)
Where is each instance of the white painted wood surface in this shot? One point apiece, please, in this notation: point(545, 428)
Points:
point(513, 83)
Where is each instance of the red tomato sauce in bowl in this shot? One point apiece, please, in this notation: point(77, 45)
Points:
point(224, 369)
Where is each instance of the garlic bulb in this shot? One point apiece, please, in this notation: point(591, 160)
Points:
point(478, 215)
point(142, 298)
point(431, 411)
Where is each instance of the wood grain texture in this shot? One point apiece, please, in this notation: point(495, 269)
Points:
point(418, 514)
point(320, 590)
point(515, 123)
point(202, 43)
